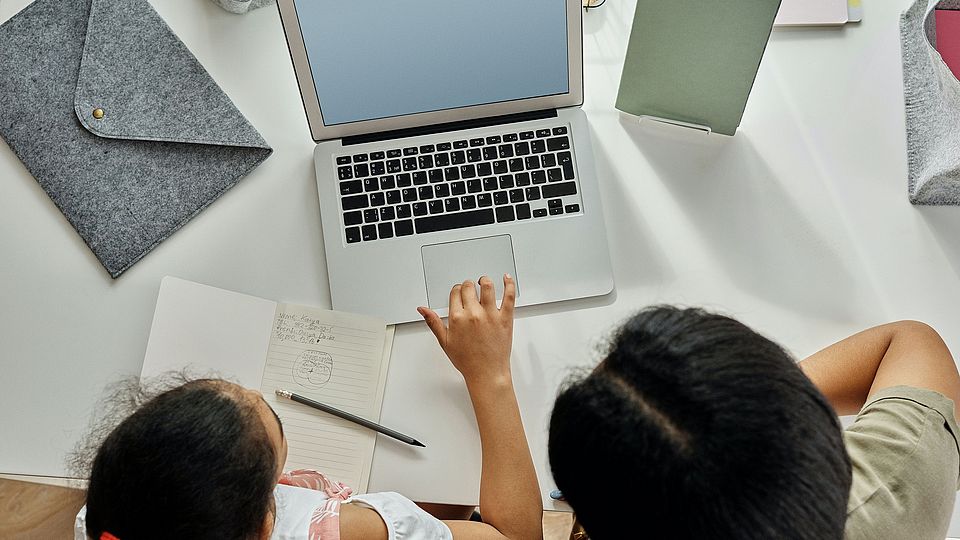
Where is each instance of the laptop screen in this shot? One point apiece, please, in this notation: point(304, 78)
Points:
point(373, 59)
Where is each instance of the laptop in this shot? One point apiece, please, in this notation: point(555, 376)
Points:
point(451, 144)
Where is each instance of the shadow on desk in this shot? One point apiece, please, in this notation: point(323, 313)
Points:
point(752, 227)
point(813, 34)
point(944, 222)
point(637, 260)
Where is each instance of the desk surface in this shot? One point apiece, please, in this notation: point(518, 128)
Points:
point(799, 225)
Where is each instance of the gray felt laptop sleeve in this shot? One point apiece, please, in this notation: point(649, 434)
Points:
point(242, 6)
point(118, 122)
point(932, 99)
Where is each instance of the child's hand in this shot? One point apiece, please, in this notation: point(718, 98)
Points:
point(479, 336)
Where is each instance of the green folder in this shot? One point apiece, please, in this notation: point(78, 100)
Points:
point(694, 61)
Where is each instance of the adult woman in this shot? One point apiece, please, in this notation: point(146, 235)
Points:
point(721, 435)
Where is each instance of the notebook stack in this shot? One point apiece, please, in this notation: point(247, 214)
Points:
point(819, 12)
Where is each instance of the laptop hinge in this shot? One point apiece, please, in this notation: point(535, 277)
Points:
point(450, 126)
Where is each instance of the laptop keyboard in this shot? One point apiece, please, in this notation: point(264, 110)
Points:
point(462, 183)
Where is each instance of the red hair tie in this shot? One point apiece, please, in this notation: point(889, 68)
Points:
point(107, 536)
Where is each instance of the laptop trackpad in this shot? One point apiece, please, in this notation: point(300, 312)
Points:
point(445, 265)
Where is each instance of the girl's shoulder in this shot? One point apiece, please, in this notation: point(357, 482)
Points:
point(308, 506)
point(310, 479)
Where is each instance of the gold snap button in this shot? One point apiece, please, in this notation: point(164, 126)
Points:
point(98, 113)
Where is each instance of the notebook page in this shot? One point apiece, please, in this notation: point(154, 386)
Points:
point(209, 332)
point(341, 360)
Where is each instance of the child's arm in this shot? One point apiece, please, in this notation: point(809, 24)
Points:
point(906, 353)
point(478, 340)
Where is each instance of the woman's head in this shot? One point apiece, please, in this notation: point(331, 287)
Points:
point(696, 426)
point(200, 460)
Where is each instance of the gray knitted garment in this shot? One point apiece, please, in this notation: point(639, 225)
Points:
point(242, 6)
point(932, 99)
point(118, 122)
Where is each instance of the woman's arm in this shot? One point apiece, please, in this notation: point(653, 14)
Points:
point(478, 340)
point(902, 353)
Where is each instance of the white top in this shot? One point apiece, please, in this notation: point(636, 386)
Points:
point(304, 514)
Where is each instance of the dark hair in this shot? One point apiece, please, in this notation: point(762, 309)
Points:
point(192, 462)
point(693, 426)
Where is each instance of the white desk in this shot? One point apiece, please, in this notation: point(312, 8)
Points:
point(799, 225)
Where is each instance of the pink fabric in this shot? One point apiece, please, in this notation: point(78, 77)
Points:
point(948, 38)
point(325, 521)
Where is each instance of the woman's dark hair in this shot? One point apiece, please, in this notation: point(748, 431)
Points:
point(193, 462)
point(696, 426)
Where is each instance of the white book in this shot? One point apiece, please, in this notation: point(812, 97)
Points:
point(812, 13)
point(340, 359)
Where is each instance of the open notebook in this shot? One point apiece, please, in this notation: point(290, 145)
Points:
point(336, 358)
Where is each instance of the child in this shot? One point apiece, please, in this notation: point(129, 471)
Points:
point(694, 426)
point(204, 459)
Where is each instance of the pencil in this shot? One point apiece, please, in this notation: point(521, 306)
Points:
point(351, 417)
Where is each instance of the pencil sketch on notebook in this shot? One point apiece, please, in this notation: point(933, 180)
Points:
point(334, 358)
point(313, 369)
